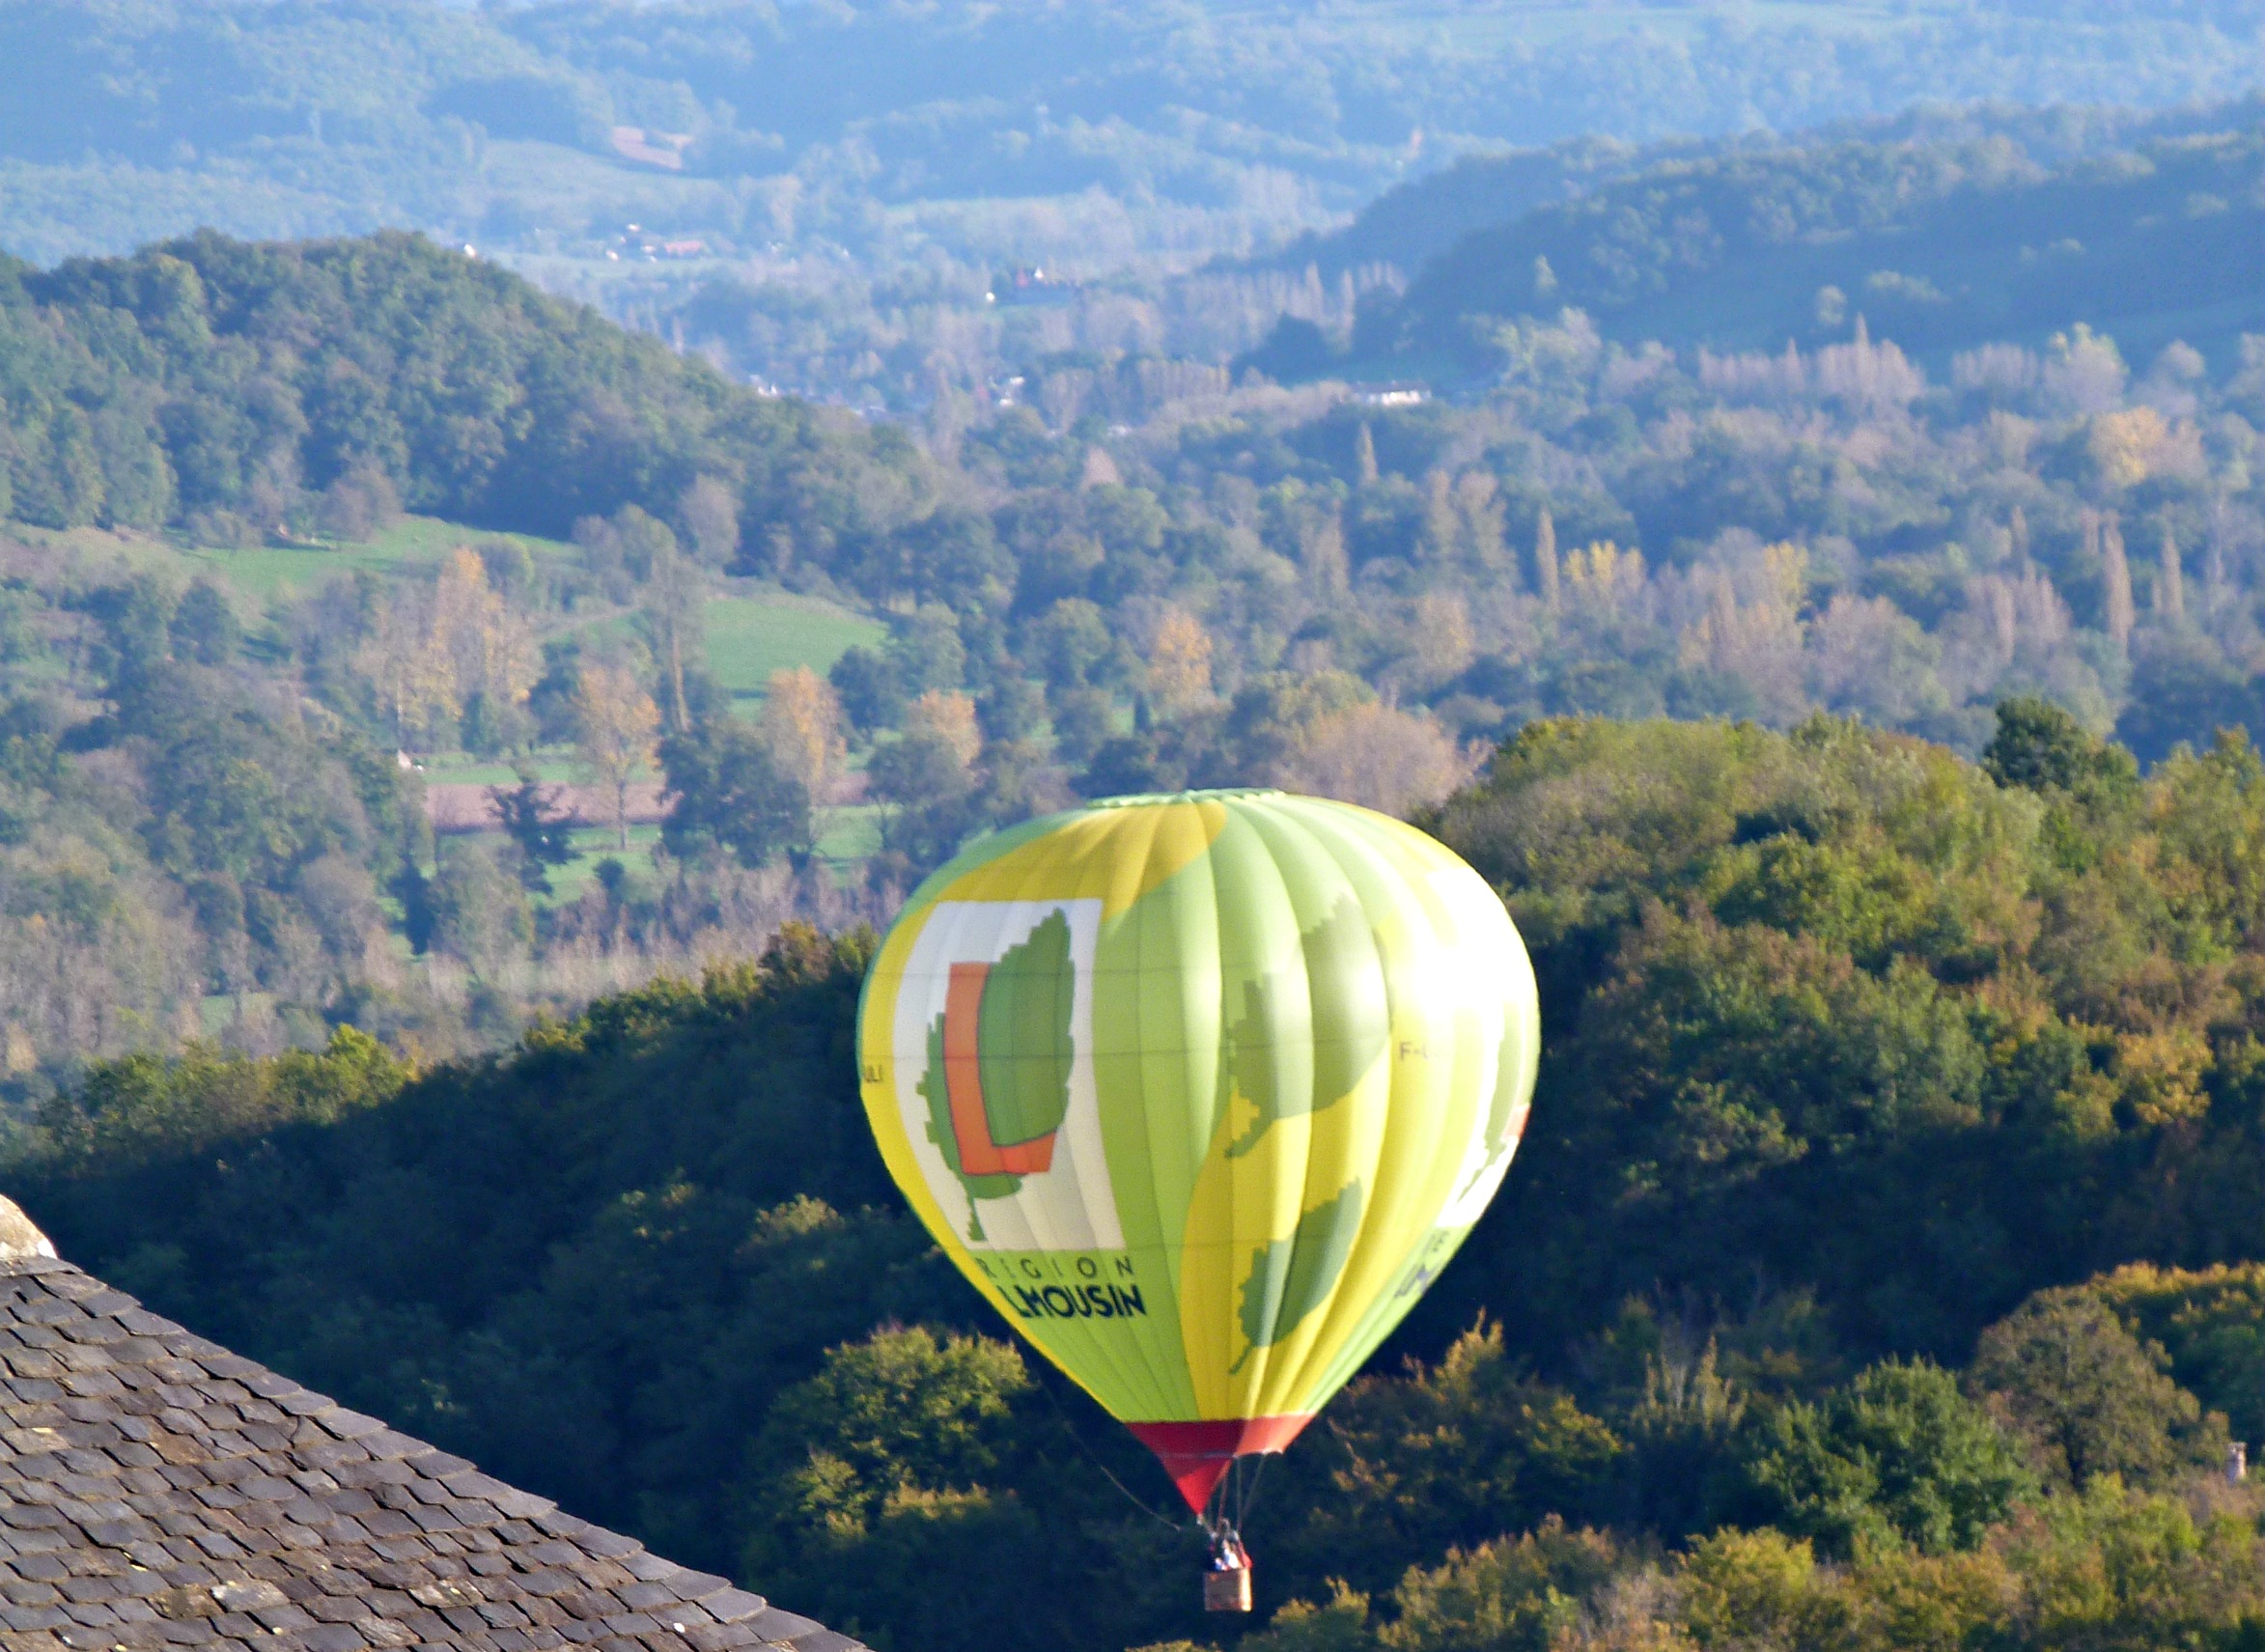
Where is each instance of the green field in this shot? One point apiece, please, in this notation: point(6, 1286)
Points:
point(550, 764)
point(849, 836)
point(593, 844)
point(753, 629)
point(752, 635)
point(759, 628)
point(268, 572)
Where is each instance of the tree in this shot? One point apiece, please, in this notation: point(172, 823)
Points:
point(711, 515)
point(431, 653)
point(480, 911)
point(2088, 1395)
point(1445, 1454)
point(1758, 1587)
point(1012, 706)
point(900, 1407)
point(1377, 756)
point(415, 683)
point(136, 619)
point(615, 724)
point(533, 821)
point(1443, 637)
point(802, 724)
point(1897, 1456)
point(1517, 1592)
point(2171, 586)
point(876, 1487)
point(919, 770)
point(926, 651)
point(2041, 747)
point(360, 502)
point(868, 688)
point(928, 774)
point(948, 718)
point(673, 617)
point(488, 644)
point(2115, 575)
point(1179, 664)
point(731, 790)
point(1069, 642)
point(205, 627)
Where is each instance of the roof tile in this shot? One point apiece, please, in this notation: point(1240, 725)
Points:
point(157, 1490)
point(729, 1605)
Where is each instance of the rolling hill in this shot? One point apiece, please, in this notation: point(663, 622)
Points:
point(1942, 246)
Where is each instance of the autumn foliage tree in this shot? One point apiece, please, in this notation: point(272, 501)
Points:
point(616, 730)
point(802, 724)
point(434, 652)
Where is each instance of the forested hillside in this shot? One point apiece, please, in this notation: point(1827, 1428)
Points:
point(1944, 246)
point(225, 700)
point(214, 383)
point(1883, 1245)
point(1413, 222)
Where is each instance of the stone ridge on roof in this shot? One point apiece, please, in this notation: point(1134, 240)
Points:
point(157, 1490)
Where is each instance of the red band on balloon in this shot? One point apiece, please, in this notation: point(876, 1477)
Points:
point(1197, 1454)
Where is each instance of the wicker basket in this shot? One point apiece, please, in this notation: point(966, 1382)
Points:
point(1228, 1590)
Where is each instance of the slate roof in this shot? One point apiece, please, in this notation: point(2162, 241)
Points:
point(157, 1490)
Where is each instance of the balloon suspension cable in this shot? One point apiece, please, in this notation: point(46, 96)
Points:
point(1229, 1505)
point(1250, 1491)
point(1094, 1458)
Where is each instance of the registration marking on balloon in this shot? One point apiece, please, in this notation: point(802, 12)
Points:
point(994, 1044)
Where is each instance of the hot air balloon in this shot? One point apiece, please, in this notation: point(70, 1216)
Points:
point(1201, 1091)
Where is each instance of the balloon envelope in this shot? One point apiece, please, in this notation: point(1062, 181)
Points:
point(1201, 1092)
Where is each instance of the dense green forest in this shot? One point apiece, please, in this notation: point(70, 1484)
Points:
point(2000, 1019)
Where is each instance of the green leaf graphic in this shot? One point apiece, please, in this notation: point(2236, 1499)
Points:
point(1349, 1027)
point(1022, 1035)
point(940, 1130)
point(1290, 1277)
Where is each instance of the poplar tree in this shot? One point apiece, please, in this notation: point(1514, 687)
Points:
point(2115, 575)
